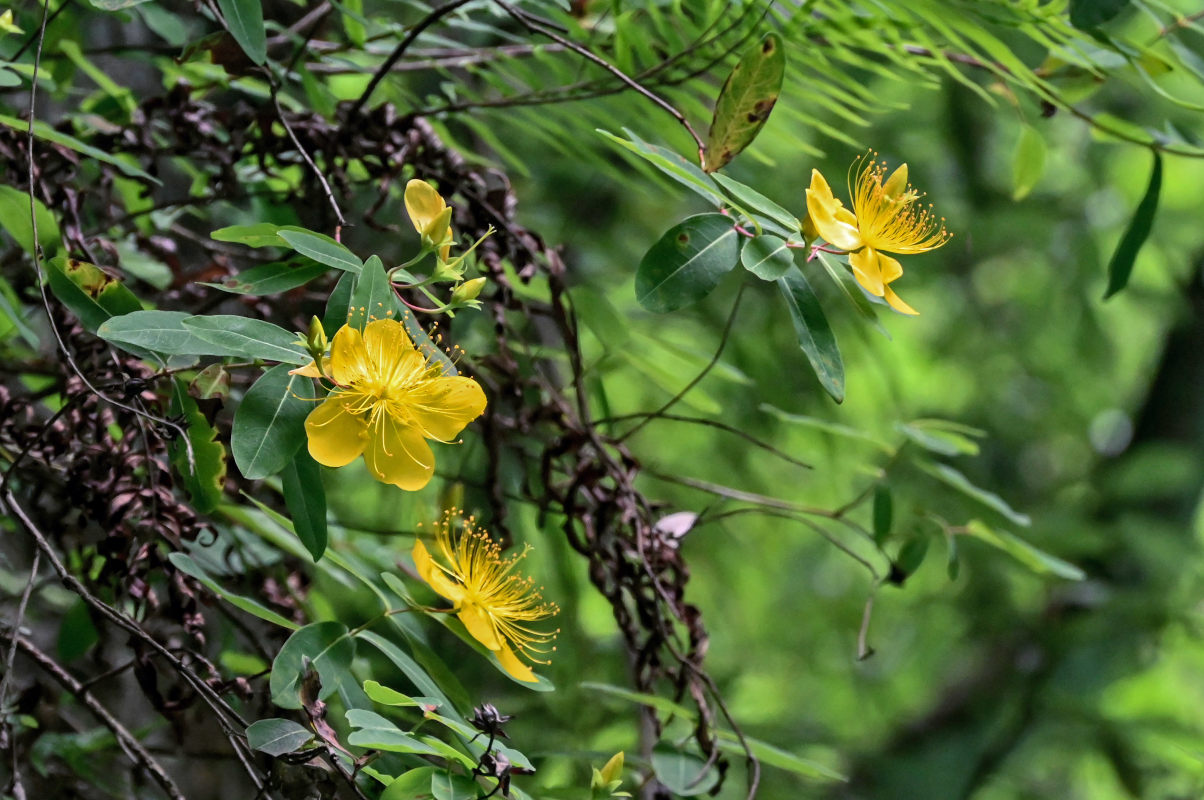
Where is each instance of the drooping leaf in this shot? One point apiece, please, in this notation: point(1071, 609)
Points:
point(271, 278)
point(883, 513)
point(672, 164)
point(687, 263)
point(277, 736)
point(186, 564)
point(957, 480)
point(46, 133)
point(15, 219)
point(815, 336)
point(77, 632)
point(247, 337)
point(320, 248)
point(767, 257)
point(245, 19)
point(373, 297)
point(89, 292)
point(261, 234)
point(912, 554)
point(338, 305)
point(759, 202)
point(306, 500)
point(160, 331)
point(204, 474)
point(684, 774)
point(747, 97)
point(269, 425)
point(1088, 14)
point(1028, 162)
point(772, 756)
point(328, 648)
point(1032, 557)
point(1121, 265)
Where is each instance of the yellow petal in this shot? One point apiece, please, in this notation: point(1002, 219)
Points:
point(824, 211)
point(480, 627)
point(443, 406)
point(867, 271)
point(516, 668)
point(386, 343)
point(891, 269)
point(310, 370)
point(897, 303)
point(429, 571)
point(336, 436)
point(423, 204)
point(348, 356)
point(398, 454)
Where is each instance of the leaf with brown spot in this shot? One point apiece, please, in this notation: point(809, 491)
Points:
point(745, 101)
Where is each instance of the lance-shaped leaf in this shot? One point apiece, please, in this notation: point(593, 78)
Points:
point(247, 337)
point(747, 97)
point(1121, 265)
point(277, 736)
point(16, 221)
point(269, 426)
point(687, 263)
point(327, 647)
point(306, 500)
point(245, 19)
point(814, 333)
point(320, 248)
point(160, 331)
point(373, 297)
point(271, 278)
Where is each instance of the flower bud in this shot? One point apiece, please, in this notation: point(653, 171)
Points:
point(467, 292)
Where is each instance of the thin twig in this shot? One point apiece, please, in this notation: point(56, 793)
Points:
point(16, 627)
point(338, 213)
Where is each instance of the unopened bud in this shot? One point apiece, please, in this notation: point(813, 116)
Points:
point(316, 340)
point(467, 292)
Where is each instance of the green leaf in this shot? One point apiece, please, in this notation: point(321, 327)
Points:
point(269, 425)
point(91, 294)
point(245, 18)
point(747, 97)
point(672, 164)
point(320, 248)
point(854, 293)
point(261, 234)
point(412, 785)
point(1088, 14)
point(249, 338)
point(662, 704)
point(43, 131)
point(160, 331)
point(683, 774)
point(378, 733)
point(8, 78)
point(379, 693)
point(271, 278)
point(212, 381)
point(1028, 162)
point(329, 650)
point(338, 305)
point(1034, 558)
point(412, 670)
point(759, 202)
point(912, 553)
point(883, 513)
point(767, 257)
point(205, 474)
point(373, 297)
point(115, 5)
point(188, 566)
point(1121, 265)
point(306, 500)
point(937, 440)
point(277, 736)
point(15, 219)
point(687, 263)
point(772, 756)
point(950, 476)
point(77, 632)
point(454, 786)
point(815, 336)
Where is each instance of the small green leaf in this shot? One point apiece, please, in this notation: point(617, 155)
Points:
point(373, 297)
point(747, 97)
point(320, 248)
point(1088, 14)
point(188, 566)
point(271, 278)
point(684, 774)
point(329, 650)
point(306, 500)
point(1028, 162)
point(378, 733)
point(1032, 557)
point(912, 554)
point(938, 440)
point(15, 219)
point(1121, 265)
point(261, 234)
point(412, 785)
point(759, 202)
point(269, 425)
point(247, 337)
point(767, 257)
point(277, 736)
point(957, 480)
point(883, 513)
point(160, 331)
point(379, 693)
point(245, 18)
point(411, 668)
point(815, 336)
point(77, 632)
point(8, 78)
point(205, 474)
point(687, 263)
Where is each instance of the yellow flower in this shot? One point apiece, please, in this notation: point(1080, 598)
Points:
point(493, 603)
point(885, 218)
point(387, 401)
point(431, 216)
